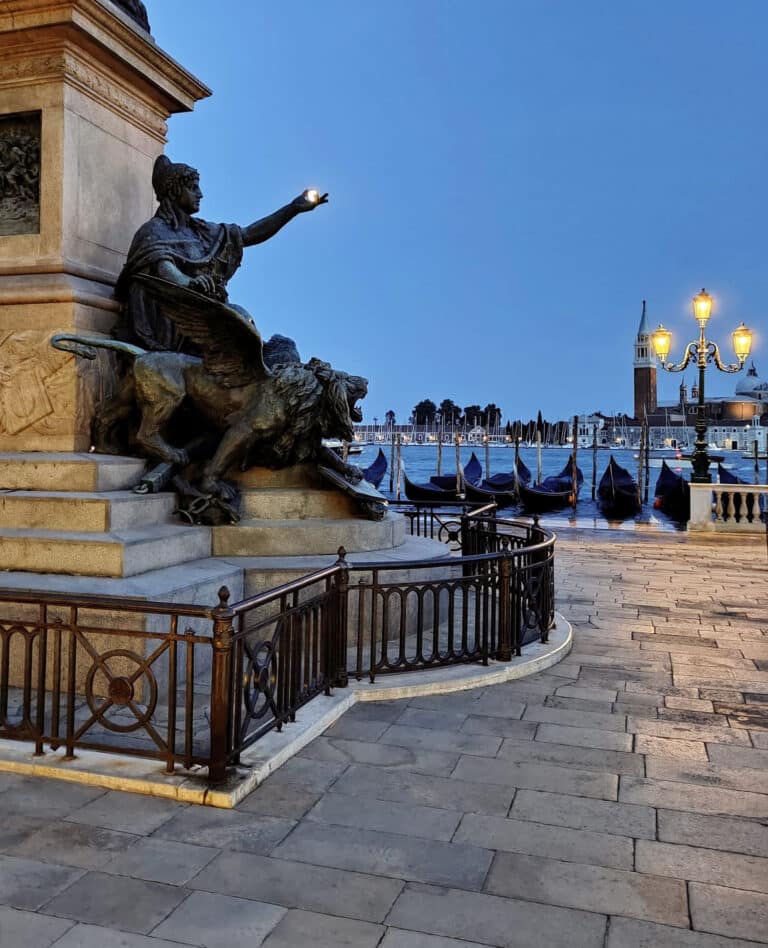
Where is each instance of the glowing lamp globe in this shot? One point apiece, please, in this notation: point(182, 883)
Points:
point(312, 195)
point(702, 306)
point(742, 342)
point(662, 342)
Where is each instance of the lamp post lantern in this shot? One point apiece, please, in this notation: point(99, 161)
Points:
point(701, 352)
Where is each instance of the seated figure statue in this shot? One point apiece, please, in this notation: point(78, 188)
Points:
point(182, 249)
point(201, 393)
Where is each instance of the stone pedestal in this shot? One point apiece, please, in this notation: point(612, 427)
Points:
point(84, 98)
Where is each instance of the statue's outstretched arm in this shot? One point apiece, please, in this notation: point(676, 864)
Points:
point(267, 227)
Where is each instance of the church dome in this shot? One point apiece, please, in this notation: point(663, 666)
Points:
point(751, 384)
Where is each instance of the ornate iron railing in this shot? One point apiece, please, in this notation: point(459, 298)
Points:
point(194, 686)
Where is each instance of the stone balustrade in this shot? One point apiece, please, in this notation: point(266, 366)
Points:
point(728, 508)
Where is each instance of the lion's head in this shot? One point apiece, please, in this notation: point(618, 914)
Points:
point(338, 408)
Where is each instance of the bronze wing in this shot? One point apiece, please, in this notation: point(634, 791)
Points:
point(231, 346)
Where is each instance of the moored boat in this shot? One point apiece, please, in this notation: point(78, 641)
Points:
point(428, 492)
point(375, 472)
point(501, 488)
point(673, 494)
point(553, 492)
point(473, 471)
point(617, 492)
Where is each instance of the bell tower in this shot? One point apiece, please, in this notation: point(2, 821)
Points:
point(645, 371)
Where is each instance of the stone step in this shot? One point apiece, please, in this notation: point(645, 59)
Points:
point(307, 537)
point(293, 504)
point(118, 553)
point(68, 471)
point(83, 511)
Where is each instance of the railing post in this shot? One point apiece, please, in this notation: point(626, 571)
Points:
point(221, 691)
point(339, 674)
point(504, 652)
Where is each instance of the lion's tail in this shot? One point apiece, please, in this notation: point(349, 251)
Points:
point(86, 346)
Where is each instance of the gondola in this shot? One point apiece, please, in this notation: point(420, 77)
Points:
point(617, 492)
point(374, 474)
point(428, 492)
point(673, 494)
point(501, 488)
point(473, 471)
point(553, 492)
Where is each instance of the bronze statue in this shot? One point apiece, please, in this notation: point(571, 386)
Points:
point(135, 10)
point(182, 249)
point(202, 392)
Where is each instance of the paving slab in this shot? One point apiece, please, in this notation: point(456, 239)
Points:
point(300, 885)
point(383, 815)
point(538, 777)
point(676, 795)
point(29, 884)
point(708, 774)
point(226, 829)
point(220, 921)
point(697, 864)
point(567, 755)
point(388, 854)
point(538, 839)
point(323, 931)
point(594, 888)
point(394, 757)
point(584, 737)
point(730, 912)
point(161, 860)
point(501, 922)
point(496, 726)
point(715, 832)
point(29, 930)
point(95, 936)
point(630, 933)
point(467, 796)
point(289, 800)
point(397, 938)
point(622, 819)
point(436, 740)
point(74, 844)
point(116, 902)
point(127, 812)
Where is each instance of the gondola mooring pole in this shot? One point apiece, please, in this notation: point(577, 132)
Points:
point(640, 465)
point(399, 465)
point(757, 461)
point(439, 451)
point(647, 461)
point(538, 456)
point(392, 462)
point(487, 441)
point(457, 444)
point(594, 460)
point(574, 467)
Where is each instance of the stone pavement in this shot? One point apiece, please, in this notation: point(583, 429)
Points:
point(618, 800)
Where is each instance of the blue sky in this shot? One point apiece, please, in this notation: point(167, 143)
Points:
point(508, 180)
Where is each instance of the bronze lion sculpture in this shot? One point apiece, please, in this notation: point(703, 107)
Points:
point(257, 415)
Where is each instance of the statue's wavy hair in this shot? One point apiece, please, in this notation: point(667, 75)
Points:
point(168, 181)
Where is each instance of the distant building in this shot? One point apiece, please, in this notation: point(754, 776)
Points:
point(645, 371)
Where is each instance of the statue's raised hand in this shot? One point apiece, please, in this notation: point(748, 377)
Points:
point(309, 200)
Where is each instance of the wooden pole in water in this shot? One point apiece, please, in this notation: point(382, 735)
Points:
point(392, 462)
point(594, 460)
point(439, 451)
point(757, 461)
point(399, 466)
point(640, 465)
point(457, 441)
point(538, 456)
point(574, 468)
point(766, 470)
point(647, 462)
point(487, 455)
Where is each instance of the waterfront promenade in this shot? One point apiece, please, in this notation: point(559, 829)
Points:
point(618, 800)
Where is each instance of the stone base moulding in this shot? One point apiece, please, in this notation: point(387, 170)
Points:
point(142, 776)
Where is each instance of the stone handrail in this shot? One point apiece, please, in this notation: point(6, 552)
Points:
point(728, 508)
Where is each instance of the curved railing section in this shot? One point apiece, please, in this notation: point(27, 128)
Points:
point(194, 686)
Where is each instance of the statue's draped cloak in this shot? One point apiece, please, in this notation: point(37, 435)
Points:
point(196, 248)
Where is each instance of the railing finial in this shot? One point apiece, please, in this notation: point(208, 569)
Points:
point(224, 595)
point(342, 560)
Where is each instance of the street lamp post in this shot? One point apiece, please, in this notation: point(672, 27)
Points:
point(701, 352)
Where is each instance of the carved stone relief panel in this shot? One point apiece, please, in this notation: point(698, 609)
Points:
point(20, 174)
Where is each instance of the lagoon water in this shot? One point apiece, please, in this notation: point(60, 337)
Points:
point(420, 461)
